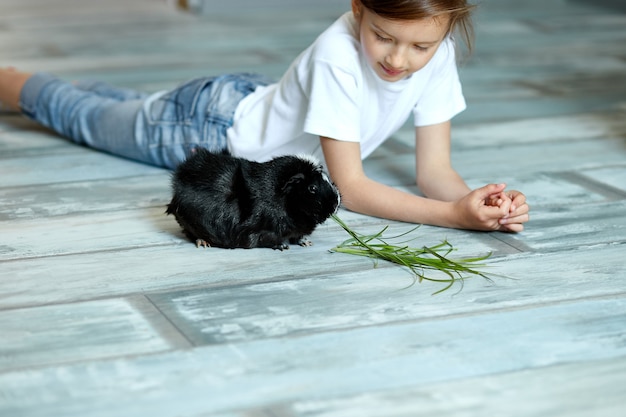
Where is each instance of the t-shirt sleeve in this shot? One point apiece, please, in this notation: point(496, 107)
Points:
point(442, 98)
point(333, 109)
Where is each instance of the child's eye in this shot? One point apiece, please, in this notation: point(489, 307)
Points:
point(382, 38)
point(421, 48)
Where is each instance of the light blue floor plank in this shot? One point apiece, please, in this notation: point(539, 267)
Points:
point(325, 365)
point(515, 394)
point(81, 164)
point(77, 198)
point(573, 227)
point(612, 176)
point(93, 330)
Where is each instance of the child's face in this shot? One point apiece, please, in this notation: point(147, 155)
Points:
point(396, 49)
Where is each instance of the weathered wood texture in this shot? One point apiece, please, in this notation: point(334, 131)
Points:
point(106, 310)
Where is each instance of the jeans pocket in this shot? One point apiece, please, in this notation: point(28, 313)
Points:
point(179, 105)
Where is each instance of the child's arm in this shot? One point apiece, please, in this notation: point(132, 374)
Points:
point(449, 202)
point(434, 173)
point(437, 179)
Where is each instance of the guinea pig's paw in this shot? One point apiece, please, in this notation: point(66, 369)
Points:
point(303, 241)
point(281, 247)
point(202, 243)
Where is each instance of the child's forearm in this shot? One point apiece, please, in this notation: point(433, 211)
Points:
point(375, 199)
point(444, 185)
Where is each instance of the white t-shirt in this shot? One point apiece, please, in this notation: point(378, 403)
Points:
point(331, 90)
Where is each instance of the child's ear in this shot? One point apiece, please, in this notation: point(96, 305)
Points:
point(357, 8)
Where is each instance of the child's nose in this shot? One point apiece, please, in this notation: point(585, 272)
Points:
point(396, 58)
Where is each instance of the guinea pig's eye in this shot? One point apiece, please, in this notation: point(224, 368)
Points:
point(312, 188)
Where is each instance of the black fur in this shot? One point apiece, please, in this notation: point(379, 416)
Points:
point(223, 201)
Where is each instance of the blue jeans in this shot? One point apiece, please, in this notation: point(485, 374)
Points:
point(160, 129)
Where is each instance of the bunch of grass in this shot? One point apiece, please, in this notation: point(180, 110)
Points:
point(416, 260)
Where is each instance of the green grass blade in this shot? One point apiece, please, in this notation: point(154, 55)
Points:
point(416, 260)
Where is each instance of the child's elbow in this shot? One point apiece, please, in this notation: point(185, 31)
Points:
point(424, 186)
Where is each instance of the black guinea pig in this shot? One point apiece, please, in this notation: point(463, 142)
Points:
point(229, 202)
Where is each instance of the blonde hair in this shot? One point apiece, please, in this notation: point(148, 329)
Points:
point(458, 11)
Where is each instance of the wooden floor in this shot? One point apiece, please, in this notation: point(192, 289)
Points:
point(106, 310)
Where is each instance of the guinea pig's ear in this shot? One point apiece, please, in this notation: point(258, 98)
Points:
point(296, 179)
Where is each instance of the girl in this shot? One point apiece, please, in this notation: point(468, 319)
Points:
point(340, 99)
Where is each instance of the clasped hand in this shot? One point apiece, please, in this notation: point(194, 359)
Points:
point(492, 208)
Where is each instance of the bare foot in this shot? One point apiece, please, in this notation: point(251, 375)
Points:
point(11, 83)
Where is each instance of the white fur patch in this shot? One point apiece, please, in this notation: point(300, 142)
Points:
point(309, 158)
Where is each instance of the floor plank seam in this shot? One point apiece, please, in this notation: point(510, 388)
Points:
point(329, 275)
point(85, 362)
point(182, 288)
point(532, 252)
point(608, 191)
point(513, 242)
point(120, 249)
point(25, 218)
point(165, 317)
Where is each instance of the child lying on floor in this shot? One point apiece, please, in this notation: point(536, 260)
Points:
point(356, 85)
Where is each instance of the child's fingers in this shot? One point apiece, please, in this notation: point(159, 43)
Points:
point(519, 210)
point(489, 190)
point(518, 219)
point(517, 200)
point(494, 200)
point(512, 228)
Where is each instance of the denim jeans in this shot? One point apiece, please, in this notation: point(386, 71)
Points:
point(160, 129)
